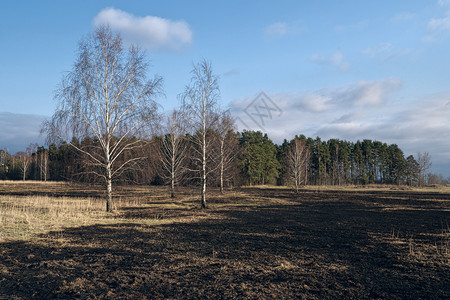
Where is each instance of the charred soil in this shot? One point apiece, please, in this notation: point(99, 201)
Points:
point(253, 243)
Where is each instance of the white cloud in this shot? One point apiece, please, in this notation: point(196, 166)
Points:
point(362, 110)
point(350, 109)
point(315, 102)
point(371, 93)
point(437, 28)
point(344, 104)
point(336, 59)
point(153, 33)
point(441, 24)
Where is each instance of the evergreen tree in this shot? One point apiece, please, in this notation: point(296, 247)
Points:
point(397, 165)
point(358, 164)
point(258, 161)
point(282, 159)
point(344, 166)
point(412, 171)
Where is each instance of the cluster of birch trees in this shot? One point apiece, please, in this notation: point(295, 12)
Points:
point(107, 126)
point(32, 163)
point(108, 98)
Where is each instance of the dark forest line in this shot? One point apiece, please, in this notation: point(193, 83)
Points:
point(252, 159)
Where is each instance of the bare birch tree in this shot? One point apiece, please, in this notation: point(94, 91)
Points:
point(173, 150)
point(228, 147)
point(424, 161)
point(24, 162)
point(199, 103)
point(106, 97)
point(42, 163)
point(298, 158)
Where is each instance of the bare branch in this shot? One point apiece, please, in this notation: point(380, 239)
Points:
point(108, 97)
point(199, 106)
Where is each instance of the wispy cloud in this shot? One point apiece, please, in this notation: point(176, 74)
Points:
point(19, 130)
point(232, 72)
point(437, 28)
point(276, 29)
point(386, 51)
point(403, 17)
point(153, 33)
point(335, 59)
point(379, 49)
point(351, 27)
point(444, 2)
point(279, 29)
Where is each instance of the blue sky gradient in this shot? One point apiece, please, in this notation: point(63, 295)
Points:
point(336, 69)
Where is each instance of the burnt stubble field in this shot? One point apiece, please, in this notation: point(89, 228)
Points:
point(251, 243)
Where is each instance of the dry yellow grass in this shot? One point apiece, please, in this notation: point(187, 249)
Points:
point(28, 217)
point(24, 217)
point(30, 209)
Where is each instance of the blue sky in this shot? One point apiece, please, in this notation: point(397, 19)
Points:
point(335, 69)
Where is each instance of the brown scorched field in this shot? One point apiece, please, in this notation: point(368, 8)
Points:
point(56, 241)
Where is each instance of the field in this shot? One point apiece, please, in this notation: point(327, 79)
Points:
point(265, 242)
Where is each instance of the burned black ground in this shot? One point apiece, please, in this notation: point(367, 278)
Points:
point(254, 243)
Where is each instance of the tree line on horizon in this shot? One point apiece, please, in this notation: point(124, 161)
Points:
point(252, 158)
